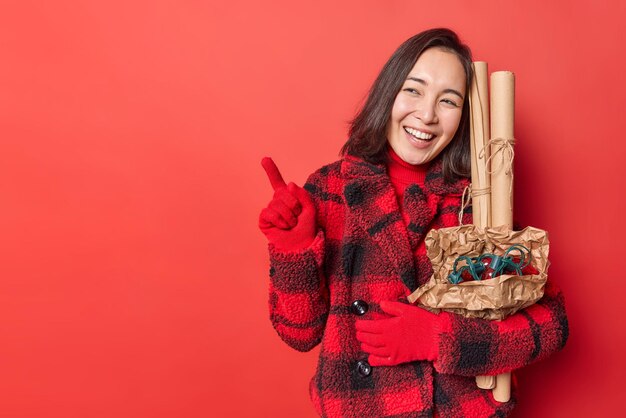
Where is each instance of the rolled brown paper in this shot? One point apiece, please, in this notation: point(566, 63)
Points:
point(486, 382)
point(502, 122)
point(479, 136)
point(502, 391)
point(502, 127)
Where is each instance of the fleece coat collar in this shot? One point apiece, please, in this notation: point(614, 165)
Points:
point(371, 198)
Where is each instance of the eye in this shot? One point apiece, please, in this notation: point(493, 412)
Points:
point(450, 102)
point(412, 91)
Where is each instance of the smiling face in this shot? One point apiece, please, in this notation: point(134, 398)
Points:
point(428, 108)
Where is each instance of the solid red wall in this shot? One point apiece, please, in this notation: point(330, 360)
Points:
point(133, 277)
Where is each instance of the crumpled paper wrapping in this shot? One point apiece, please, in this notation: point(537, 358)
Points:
point(495, 298)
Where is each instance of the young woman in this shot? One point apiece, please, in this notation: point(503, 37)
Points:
point(348, 249)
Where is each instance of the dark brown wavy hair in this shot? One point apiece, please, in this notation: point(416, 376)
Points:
point(367, 135)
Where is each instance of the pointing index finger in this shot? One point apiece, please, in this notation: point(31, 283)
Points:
point(273, 174)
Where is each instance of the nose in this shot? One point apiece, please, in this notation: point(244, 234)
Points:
point(426, 111)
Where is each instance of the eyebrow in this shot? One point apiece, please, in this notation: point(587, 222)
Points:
point(419, 80)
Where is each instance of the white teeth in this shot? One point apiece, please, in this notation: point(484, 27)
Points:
point(418, 134)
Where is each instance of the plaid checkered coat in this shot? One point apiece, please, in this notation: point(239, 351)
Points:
point(365, 251)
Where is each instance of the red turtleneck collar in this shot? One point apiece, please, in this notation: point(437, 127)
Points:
point(403, 174)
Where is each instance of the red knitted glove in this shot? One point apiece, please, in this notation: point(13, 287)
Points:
point(288, 221)
point(411, 334)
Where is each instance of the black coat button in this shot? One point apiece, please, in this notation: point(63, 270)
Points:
point(363, 368)
point(359, 307)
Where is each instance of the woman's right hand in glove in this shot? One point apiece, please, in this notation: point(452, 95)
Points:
point(288, 221)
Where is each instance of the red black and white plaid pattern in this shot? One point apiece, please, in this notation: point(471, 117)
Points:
point(364, 251)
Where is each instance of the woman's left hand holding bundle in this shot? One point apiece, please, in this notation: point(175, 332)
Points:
point(409, 334)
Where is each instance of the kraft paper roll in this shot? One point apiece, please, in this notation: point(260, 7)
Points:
point(479, 136)
point(486, 382)
point(502, 137)
point(502, 391)
point(502, 122)
point(481, 182)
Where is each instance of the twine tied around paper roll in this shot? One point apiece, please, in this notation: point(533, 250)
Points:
point(470, 193)
point(465, 199)
point(506, 146)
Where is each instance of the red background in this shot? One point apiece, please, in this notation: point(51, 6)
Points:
point(133, 279)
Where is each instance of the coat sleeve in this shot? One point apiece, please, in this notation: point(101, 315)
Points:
point(299, 300)
point(471, 347)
